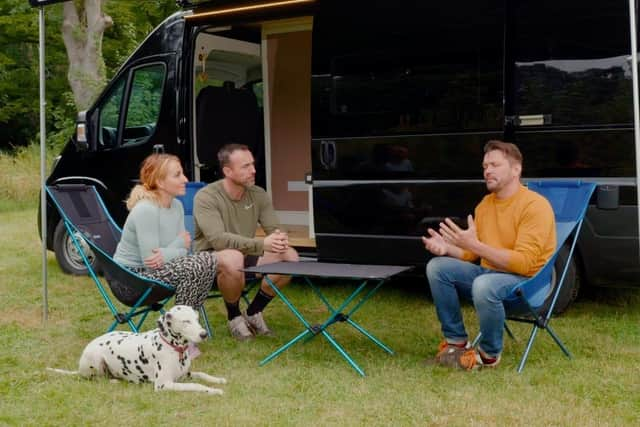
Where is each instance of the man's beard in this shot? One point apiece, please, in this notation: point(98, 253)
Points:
point(246, 184)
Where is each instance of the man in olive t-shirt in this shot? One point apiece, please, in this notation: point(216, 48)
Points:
point(227, 213)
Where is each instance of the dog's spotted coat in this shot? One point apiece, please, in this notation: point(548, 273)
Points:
point(161, 356)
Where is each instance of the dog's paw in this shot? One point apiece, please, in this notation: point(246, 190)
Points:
point(212, 390)
point(220, 380)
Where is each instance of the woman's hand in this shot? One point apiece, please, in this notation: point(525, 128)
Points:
point(187, 239)
point(155, 260)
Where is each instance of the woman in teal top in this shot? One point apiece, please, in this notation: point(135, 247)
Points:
point(154, 242)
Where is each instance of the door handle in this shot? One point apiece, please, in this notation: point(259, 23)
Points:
point(528, 120)
point(328, 154)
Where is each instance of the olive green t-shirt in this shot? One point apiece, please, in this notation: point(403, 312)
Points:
point(223, 223)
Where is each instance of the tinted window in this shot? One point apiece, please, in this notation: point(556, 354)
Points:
point(143, 107)
point(110, 115)
point(383, 67)
point(572, 61)
point(144, 103)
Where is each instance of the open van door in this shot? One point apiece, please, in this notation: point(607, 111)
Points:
point(251, 85)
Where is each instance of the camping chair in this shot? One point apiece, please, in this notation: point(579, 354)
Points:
point(189, 225)
point(86, 218)
point(569, 200)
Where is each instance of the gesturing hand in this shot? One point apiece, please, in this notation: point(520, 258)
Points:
point(456, 236)
point(435, 244)
point(155, 260)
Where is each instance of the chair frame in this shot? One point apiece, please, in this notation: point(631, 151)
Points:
point(140, 307)
point(535, 315)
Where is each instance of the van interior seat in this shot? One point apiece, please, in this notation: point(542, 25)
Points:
point(226, 115)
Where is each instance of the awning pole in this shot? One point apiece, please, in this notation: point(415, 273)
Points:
point(43, 156)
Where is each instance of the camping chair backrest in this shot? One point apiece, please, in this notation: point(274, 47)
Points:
point(187, 204)
point(569, 200)
point(80, 205)
point(86, 216)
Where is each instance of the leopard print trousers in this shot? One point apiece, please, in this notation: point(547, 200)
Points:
point(191, 275)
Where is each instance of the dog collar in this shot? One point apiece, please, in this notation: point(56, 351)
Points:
point(181, 350)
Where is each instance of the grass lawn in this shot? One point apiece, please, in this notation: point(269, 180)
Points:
point(310, 384)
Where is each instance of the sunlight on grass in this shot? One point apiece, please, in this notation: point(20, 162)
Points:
point(20, 177)
point(311, 385)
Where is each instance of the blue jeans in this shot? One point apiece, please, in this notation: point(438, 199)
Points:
point(451, 279)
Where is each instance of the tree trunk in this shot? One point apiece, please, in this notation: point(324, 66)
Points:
point(82, 31)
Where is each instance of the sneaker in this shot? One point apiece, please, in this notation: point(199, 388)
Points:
point(257, 324)
point(472, 359)
point(239, 328)
point(448, 354)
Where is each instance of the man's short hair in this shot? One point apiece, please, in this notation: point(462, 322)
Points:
point(225, 152)
point(510, 151)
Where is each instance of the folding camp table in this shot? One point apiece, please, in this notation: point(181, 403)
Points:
point(372, 276)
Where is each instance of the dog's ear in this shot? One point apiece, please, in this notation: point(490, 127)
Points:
point(162, 319)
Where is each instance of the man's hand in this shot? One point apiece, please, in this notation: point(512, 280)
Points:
point(187, 239)
point(155, 260)
point(277, 242)
point(435, 244)
point(454, 235)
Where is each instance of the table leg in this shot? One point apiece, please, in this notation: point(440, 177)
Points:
point(336, 315)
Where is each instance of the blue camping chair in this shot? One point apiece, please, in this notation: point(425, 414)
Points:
point(189, 225)
point(86, 218)
point(569, 200)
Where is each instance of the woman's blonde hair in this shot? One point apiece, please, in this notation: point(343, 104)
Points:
point(154, 168)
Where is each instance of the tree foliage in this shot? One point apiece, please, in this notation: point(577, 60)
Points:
point(19, 90)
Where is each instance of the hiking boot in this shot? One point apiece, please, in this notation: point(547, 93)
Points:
point(239, 328)
point(448, 353)
point(472, 359)
point(257, 324)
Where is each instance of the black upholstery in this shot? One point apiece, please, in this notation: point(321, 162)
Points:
point(83, 211)
point(227, 115)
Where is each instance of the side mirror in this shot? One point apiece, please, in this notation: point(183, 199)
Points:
point(608, 197)
point(80, 140)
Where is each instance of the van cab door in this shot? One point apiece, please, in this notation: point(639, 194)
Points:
point(135, 113)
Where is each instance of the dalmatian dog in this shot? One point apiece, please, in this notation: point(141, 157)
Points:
point(162, 355)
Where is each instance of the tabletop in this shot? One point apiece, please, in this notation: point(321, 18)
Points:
point(329, 269)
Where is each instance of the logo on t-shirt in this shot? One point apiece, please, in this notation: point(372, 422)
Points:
point(247, 207)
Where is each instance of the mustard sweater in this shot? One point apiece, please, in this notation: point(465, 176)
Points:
point(524, 224)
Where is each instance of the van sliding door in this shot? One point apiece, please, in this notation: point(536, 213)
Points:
point(570, 111)
point(404, 96)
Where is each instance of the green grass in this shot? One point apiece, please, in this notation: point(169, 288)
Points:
point(20, 176)
point(310, 384)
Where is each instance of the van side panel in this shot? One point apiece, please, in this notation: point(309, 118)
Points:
point(404, 96)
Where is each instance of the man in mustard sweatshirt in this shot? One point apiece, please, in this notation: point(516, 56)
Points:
point(513, 234)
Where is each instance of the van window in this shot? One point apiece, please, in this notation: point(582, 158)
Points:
point(383, 68)
point(143, 107)
point(575, 68)
point(110, 115)
point(144, 103)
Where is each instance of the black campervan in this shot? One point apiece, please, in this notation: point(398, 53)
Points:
point(368, 118)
